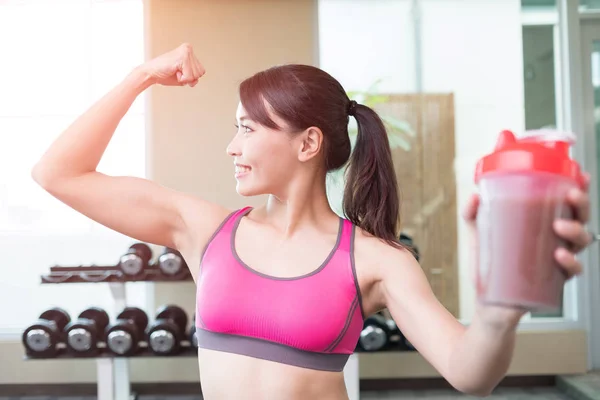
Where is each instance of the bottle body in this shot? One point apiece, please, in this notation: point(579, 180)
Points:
point(516, 263)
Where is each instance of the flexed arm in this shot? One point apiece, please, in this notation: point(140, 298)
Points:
point(136, 207)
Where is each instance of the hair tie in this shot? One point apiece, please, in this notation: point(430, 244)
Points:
point(352, 107)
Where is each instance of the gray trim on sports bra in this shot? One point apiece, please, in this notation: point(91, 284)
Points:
point(359, 294)
point(214, 234)
point(266, 350)
point(249, 268)
point(339, 338)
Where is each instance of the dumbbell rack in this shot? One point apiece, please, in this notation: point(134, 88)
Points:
point(113, 379)
point(113, 373)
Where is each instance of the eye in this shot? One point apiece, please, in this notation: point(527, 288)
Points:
point(246, 129)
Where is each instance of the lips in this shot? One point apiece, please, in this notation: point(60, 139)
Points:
point(242, 170)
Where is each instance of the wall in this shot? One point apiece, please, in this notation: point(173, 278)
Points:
point(202, 120)
point(469, 47)
point(188, 130)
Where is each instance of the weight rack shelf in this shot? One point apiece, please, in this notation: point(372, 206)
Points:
point(187, 351)
point(109, 274)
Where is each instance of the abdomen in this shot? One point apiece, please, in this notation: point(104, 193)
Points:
point(232, 376)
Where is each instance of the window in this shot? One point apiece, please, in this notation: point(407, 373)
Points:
point(60, 58)
point(501, 62)
point(539, 76)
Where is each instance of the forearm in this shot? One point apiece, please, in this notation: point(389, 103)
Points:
point(80, 147)
point(482, 355)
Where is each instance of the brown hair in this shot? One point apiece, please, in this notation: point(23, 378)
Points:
point(306, 96)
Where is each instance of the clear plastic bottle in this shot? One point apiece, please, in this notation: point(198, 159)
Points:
point(523, 185)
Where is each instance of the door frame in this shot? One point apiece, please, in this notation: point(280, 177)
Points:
point(577, 31)
point(567, 20)
point(589, 32)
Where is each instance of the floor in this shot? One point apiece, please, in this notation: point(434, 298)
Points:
point(500, 394)
point(581, 387)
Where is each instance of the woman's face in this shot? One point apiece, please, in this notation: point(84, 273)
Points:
point(265, 159)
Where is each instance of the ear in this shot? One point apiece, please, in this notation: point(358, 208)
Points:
point(312, 141)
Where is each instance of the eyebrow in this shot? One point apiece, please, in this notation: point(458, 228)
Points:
point(244, 118)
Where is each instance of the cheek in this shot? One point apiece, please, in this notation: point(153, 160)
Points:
point(282, 165)
point(273, 159)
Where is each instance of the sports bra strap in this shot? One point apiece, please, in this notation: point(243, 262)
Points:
point(241, 212)
point(347, 236)
point(233, 218)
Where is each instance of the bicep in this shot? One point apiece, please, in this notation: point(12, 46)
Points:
point(425, 322)
point(138, 208)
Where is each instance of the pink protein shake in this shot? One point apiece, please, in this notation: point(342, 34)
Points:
point(523, 186)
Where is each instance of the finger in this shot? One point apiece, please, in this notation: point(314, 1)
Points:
point(568, 263)
point(580, 201)
point(194, 66)
point(187, 74)
point(470, 211)
point(197, 68)
point(201, 69)
point(573, 232)
point(586, 181)
point(183, 53)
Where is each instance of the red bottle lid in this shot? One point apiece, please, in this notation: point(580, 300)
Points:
point(538, 151)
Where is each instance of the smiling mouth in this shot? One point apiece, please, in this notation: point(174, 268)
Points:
point(241, 170)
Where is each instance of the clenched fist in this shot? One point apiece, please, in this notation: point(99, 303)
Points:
point(178, 67)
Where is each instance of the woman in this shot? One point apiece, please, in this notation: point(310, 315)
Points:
point(283, 289)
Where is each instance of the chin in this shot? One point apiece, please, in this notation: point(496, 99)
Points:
point(247, 190)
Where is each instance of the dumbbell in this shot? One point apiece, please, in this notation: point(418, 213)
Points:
point(192, 334)
point(408, 344)
point(42, 338)
point(171, 262)
point(137, 258)
point(408, 241)
point(84, 333)
point(124, 335)
point(168, 330)
point(397, 336)
point(375, 333)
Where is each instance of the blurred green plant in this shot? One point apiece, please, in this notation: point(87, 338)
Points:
point(397, 130)
point(399, 133)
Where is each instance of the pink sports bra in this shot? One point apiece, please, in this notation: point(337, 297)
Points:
point(311, 321)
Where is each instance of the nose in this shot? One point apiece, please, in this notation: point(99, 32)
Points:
point(233, 148)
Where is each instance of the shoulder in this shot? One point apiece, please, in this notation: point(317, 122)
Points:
point(200, 221)
point(381, 254)
point(200, 216)
point(381, 266)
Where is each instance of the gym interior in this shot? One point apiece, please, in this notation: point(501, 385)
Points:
point(448, 75)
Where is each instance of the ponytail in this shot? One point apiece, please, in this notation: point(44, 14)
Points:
point(371, 198)
point(305, 96)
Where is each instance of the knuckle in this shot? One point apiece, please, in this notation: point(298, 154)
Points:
point(588, 239)
point(586, 199)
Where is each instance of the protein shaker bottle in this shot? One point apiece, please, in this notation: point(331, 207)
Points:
point(523, 185)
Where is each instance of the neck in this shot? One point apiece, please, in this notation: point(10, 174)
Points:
point(305, 203)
